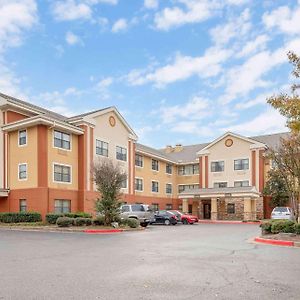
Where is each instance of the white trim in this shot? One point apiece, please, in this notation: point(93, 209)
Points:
point(157, 186)
point(22, 179)
point(158, 167)
point(121, 160)
point(141, 167)
point(19, 137)
point(234, 181)
point(184, 165)
point(171, 188)
point(213, 185)
point(95, 148)
point(172, 168)
point(64, 165)
point(53, 137)
point(141, 178)
point(242, 159)
point(211, 161)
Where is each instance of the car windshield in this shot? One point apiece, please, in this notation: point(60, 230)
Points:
point(280, 209)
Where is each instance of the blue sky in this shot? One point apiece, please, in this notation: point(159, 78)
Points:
point(180, 71)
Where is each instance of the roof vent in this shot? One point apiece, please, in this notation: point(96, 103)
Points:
point(169, 149)
point(178, 148)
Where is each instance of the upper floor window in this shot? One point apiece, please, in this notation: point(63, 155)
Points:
point(220, 184)
point(138, 184)
point(168, 188)
point(121, 153)
point(241, 164)
point(101, 148)
point(62, 140)
point(22, 171)
point(139, 160)
point(62, 173)
point(23, 205)
point(168, 168)
point(23, 137)
point(217, 166)
point(155, 186)
point(154, 164)
point(185, 187)
point(188, 169)
point(241, 183)
point(62, 206)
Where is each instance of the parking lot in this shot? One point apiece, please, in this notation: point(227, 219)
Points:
point(201, 261)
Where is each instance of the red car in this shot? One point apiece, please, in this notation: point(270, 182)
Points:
point(185, 218)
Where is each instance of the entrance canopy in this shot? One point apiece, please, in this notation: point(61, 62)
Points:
point(4, 192)
point(228, 192)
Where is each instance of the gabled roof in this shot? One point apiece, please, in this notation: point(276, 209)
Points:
point(153, 152)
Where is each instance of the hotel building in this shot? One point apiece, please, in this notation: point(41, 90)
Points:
point(46, 159)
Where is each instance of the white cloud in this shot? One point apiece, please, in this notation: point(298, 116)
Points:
point(151, 4)
point(106, 82)
point(258, 44)
point(73, 39)
point(119, 25)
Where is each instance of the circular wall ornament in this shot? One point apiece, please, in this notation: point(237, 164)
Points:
point(112, 121)
point(228, 142)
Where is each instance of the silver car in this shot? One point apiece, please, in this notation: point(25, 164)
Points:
point(282, 213)
point(141, 212)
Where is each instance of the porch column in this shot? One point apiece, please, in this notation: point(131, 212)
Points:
point(185, 206)
point(214, 209)
point(247, 208)
point(253, 208)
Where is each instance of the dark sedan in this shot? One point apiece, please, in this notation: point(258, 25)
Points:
point(164, 217)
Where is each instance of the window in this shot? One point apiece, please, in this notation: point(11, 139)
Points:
point(137, 207)
point(155, 186)
point(23, 205)
point(154, 164)
point(155, 206)
point(188, 170)
point(22, 137)
point(180, 207)
point(62, 140)
point(62, 173)
point(169, 206)
point(22, 171)
point(241, 164)
point(185, 187)
point(139, 160)
point(62, 206)
point(125, 208)
point(101, 148)
point(168, 169)
point(217, 166)
point(241, 183)
point(169, 188)
point(220, 184)
point(121, 153)
point(124, 184)
point(138, 184)
point(230, 208)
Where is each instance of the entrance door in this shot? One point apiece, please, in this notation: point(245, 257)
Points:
point(206, 210)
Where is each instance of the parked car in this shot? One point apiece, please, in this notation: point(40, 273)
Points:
point(282, 213)
point(184, 218)
point(141, 212)
point(164, 217)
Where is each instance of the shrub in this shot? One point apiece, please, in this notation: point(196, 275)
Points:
point(99, 221)
point(19, 217)
point(297, 228)
point(82, 221)
point(131, 222)
point(266, 227)
point(52, 217)
point(64, 221)
point(78, 215)
point(286, 226)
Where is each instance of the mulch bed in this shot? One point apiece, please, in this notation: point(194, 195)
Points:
point(282, 236)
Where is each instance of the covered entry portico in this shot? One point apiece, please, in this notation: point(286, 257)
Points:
point(230, 203)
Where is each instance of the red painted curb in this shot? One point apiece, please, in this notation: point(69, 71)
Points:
point(91, 231)
point(274, 242)
point(228, 222)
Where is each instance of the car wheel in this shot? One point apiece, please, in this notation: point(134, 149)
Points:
point(184, 221)
point(145, 224)
point(167, 222)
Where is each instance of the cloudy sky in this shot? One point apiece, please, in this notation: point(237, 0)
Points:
point(180, 71)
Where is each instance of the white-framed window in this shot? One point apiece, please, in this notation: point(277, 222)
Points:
point(169, 188)
point(62, 140)
point(22, 140)
point(22, 171)
point(155, 165)
point(241, 183)
point(101, 148)
point(22, 205)
point(124, 184)
point(155, 206)
point(217, 166)
point(188, 170)
point(139, 162)
point(62, 206)
point(121, 153)
point(61, 173)
point(168, 168)
point(138, 184)
point(154, 186)
point(220, 184)
point(241, 164)
point(169, 206)
point(185, 187)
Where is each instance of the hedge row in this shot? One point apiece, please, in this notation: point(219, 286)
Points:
point(278, 226)
point(18, 217)
point(51, 218)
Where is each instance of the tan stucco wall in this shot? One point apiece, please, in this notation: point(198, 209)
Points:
point(187, 180)
point(66, 157)
point(219, 152)
point(1, 151)
point(23, 154)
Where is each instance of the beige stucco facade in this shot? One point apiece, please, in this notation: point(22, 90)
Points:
point(1, 152)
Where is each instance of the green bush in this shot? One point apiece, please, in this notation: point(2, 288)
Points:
point(131, 222)
point(266, 227)
point(297, 228)
point(286, 226)
point(99, 221)
point(64, 221)
point(52, 217)
point(82, 221)
point(78, 215)
point(13, 217)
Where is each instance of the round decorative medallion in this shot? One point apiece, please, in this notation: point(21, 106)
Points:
point(112, 121)
point(228, 142)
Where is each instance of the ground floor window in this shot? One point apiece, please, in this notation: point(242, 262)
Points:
point(62, 206)
point(155, 206)
point(230, 208)
point(169, 206)
point(23, 205)
point(180, 207)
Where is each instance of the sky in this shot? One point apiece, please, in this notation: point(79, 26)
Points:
point(179, 71)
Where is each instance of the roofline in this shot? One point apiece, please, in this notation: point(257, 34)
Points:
point(155, 156)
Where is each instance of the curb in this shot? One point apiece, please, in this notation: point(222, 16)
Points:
point(99, 231)
point(274, 242)
point(229, 222)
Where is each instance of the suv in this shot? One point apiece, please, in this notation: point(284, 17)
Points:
point(282, 213)
point(141, 212)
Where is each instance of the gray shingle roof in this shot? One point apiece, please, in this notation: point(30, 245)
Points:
point(271, 140)
point(153, 151)
point(89, 112)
